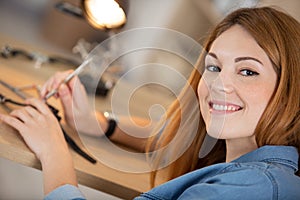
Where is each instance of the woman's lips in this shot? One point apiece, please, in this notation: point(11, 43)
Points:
point(223, 107)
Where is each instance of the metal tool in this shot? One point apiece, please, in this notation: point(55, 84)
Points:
point(68, 78)
point(14, 90)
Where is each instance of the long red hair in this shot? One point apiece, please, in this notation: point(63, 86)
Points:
point(278, 34)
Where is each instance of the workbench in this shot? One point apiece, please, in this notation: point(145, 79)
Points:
point(20, 72)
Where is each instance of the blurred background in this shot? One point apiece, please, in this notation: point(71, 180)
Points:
point(39, 24)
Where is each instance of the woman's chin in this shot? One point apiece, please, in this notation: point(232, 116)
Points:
point(215, 133)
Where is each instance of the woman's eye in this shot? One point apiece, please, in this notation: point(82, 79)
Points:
point(247, 72)
point(213, 68)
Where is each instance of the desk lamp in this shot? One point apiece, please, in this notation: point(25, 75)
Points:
point(107, 15)
point(101, 14)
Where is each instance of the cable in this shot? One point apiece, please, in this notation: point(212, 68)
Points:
point(55, 111)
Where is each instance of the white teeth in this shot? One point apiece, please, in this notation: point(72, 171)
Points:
point(224, 108)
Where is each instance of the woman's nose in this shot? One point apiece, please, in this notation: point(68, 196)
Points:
point(223, 83)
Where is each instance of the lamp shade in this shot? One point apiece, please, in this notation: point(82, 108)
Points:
point(105, 14)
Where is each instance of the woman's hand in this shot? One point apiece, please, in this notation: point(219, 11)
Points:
point(74, 101)
point(38, 126)
point(43, 135)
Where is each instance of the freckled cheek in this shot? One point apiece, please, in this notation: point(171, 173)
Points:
point(257, 98)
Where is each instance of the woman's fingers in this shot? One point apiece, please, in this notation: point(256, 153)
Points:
point(46, 87)
point(36, 112)
point(78, 92)
point(72, 95)
point(66, 99)
point(39, 105)
point(22, 115)
point(12, 121)
point(32, 111)
point(38, 126)
point(54, 82)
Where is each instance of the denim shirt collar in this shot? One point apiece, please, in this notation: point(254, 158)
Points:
point(286, 155)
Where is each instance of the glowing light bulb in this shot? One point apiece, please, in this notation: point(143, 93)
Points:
point(105, 13)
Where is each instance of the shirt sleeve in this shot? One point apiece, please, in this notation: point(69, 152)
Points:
point(65, 192)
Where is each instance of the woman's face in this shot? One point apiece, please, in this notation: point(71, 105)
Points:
point(236, 85)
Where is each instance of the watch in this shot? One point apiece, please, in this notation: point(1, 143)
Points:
point(112, 123)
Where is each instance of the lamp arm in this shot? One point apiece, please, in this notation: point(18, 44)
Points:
point(70, 9)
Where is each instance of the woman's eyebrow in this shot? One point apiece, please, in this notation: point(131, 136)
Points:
point(247, 58)
point(237, 59)
point(212, 55)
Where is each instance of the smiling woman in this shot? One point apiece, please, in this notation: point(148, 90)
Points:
point(249, 98)
point(235, 88)
point(272, 38)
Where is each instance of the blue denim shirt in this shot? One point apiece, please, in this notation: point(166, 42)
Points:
point(266, 173)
